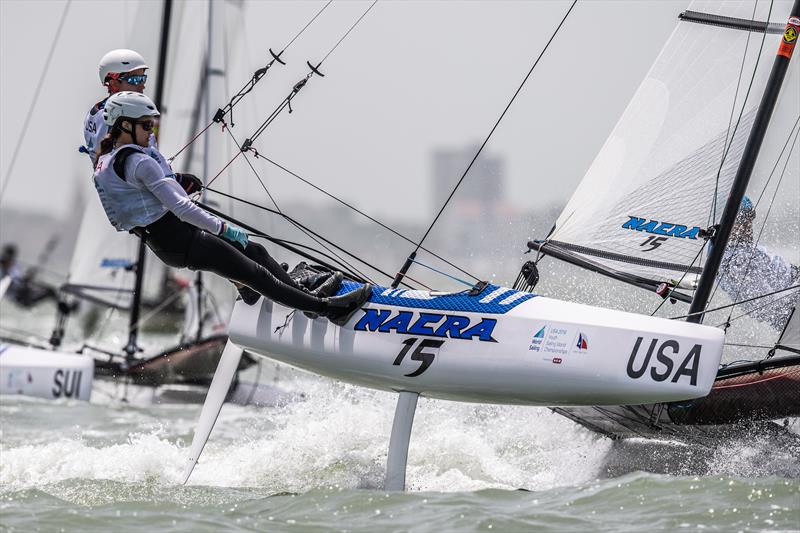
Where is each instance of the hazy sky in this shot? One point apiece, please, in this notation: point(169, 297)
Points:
point(412, 77)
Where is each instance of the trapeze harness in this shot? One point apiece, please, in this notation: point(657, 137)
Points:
point(139, 198)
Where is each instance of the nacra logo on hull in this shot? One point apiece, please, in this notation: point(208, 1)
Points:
point(426, 324)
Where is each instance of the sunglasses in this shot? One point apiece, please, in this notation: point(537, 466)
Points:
point(147, 125)
point(133, 79)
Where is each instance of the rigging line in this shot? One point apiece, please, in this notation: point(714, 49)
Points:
point(739, 118)
point(287, 102)
point(749, 345)
point(293, 221)
point(467, 283)
point(250, 84)
point(758, 307)
point(675, 286)
point(713, 214)
point(347, 33)
point(302, 229)
point(769, 210)
point(362, 213)
point(250, 164)
point(736, 303)
point(35, 99)
point(503, 114)
point(738, 244)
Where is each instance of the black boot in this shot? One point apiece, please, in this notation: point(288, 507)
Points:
point(329, 286)
point(340, 309)
point(326, 289)
point(249, 296)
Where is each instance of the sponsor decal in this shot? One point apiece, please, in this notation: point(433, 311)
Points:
point(666, 229)
point(670, 362)
point(582, 344)
point(537, 340)
point(556, 342)
point(427, 324)
point(789, 37)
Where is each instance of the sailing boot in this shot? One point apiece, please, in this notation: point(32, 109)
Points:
point(249, 296)
point(330, 284)
point(326, 289)
point(340, 309)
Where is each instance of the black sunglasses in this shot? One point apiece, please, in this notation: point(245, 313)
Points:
point(147, 125)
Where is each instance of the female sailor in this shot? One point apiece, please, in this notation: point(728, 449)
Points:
point(139, 194)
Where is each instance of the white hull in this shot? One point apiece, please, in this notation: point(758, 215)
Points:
point(499, 346)
point(45, 373)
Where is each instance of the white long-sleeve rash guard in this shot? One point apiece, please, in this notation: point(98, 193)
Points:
point(143, 169)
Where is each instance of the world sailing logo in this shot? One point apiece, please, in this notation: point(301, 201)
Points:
point(666, 229)
point(537, 340)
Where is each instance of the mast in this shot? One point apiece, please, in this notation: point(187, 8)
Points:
point(133, 325)
point(719, 240)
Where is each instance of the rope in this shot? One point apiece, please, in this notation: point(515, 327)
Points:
point(36, 93)
point(362, 213)
point(467, 283)
point(250, 85)
point(741, 113)
point(486, 140)
point(735, 303)
point(347, 32)
point(291, 220)
point(726, 146)
point(769, 209)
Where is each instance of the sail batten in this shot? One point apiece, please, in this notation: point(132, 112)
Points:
point(731, 22)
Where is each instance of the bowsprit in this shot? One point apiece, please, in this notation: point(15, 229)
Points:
point(426, 324)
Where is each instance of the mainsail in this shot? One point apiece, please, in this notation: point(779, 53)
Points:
point(660, 182)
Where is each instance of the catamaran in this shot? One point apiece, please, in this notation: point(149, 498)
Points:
point(680, 161)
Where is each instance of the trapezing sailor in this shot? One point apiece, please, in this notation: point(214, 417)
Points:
point(123, 70)
point(749, 271)
point(139, 194)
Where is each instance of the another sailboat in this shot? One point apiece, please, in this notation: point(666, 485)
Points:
point(108, 269)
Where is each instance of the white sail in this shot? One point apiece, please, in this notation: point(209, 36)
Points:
point(790, 338)
point(103, 260)
point(649, 194)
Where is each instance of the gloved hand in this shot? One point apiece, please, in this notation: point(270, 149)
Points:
point(235, 234)
point(189, 182)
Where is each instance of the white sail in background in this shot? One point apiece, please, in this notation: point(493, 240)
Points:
point(651, 190)
point(101, 268)
point(790, 338)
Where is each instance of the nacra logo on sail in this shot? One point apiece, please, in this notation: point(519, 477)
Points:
point(426, 324)
point(666, 229)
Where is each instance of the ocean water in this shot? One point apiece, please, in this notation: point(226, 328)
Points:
point(317, 464)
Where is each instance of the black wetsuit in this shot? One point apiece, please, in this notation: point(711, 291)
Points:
point(180, 245)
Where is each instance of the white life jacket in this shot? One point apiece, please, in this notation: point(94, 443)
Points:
point(128, 204)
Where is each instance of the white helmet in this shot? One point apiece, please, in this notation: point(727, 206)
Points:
point(118, 61)
point(128, 104)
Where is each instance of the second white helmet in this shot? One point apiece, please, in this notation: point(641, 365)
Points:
point(118, 61)
point(128, 104)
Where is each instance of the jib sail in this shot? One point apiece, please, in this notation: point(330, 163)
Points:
point(661, 180)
